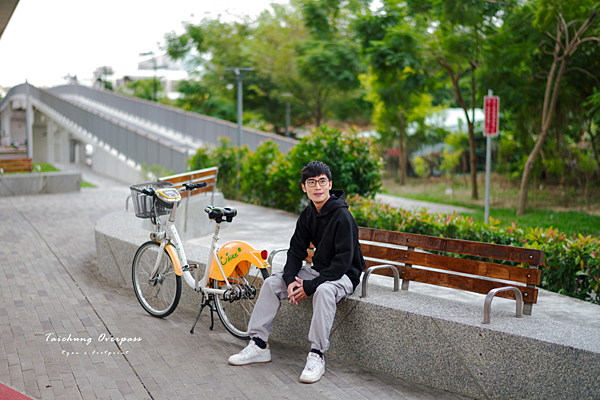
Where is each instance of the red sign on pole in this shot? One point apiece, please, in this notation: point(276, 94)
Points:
point(491, 107)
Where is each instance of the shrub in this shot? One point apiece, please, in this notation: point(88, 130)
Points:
point(272, 179)
point(354, 165)
point(226, 157)
point(257, 186)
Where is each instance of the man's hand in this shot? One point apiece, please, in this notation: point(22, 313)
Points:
point(296, 291)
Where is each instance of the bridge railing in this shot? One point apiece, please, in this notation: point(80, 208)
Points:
point(134, 144)
point(198, 126)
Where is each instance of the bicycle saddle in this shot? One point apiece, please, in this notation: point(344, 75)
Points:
point(218, 213)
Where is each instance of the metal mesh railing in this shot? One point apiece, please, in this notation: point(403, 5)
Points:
point(201, 127)
point(133, 143)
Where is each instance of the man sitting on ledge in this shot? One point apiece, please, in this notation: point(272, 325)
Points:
point(337, 265)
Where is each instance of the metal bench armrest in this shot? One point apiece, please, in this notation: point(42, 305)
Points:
point(374, 268)
point(487, 306)
point(272, 255)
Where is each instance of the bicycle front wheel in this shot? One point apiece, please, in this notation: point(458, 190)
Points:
point(159, 295)
point(235, 306)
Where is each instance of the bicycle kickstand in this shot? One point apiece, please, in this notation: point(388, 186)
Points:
point(205, 303)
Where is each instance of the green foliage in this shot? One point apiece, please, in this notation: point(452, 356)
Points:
point(272, 179)
point(226, 157)
point(571, 264)
point(148, 89)
point(420, 166)
point(257, 171)
point(354, 166)
point(155, 171)
point(319, 70)
point(450, 160)
point(199, 98)
point(346, 64)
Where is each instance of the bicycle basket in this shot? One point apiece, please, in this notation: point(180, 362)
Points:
point(142, 203)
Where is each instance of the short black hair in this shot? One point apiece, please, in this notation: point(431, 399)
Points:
point(314, 169)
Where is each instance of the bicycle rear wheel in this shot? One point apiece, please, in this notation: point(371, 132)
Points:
point(159, 296)
point(235, 315)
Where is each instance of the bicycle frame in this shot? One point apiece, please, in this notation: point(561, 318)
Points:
point(223, 263)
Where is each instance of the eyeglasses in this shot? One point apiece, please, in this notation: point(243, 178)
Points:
point(313, 182)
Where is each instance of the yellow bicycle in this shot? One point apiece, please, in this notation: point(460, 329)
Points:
point(232, 276)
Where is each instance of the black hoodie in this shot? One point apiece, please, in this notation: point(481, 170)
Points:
point(334, 233)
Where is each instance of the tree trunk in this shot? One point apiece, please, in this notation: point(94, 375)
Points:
point(550, 99)
point(472, 149)
point(318, 115)
point(403, 160)
point(455, 77)
point(474, 194)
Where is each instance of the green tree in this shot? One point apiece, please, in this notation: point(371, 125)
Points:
point(142, 88)
point(565, 38)
point(328, 61)
point(398, 77)
point(452, 40)
point(199, 98)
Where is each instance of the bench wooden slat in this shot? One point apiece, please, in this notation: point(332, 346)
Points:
point(466, 283)
point(16, 165)
point(483, 250)
point(474, 267)
point(208, 175)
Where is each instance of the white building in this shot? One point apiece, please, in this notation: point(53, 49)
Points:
point(166, 70)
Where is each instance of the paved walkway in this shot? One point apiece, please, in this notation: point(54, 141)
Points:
point(66, 333)
point(410, 204)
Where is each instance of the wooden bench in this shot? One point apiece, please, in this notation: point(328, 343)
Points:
point(208, 175)
point(482, 267)
point(16, 165)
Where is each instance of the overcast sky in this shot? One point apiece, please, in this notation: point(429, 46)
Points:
point(46, 40)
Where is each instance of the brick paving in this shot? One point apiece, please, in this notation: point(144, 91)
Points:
point(60, 322)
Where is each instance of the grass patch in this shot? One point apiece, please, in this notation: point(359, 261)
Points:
point(45, 167)
point(85, 184)
point(548, 207)
point(569, 222)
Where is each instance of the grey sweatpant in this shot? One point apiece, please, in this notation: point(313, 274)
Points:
point(324, 301)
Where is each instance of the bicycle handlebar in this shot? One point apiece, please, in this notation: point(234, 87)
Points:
point(192, 186)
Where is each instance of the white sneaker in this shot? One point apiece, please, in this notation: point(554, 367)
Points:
point(251, 354)
point(314, 370)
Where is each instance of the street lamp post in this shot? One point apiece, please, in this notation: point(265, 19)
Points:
point(287, 113)
point(239, 72)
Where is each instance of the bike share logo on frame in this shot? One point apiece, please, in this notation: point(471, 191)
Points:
point(230, 257)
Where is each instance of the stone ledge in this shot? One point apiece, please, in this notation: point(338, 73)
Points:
point(431, 341)
point(39, 183)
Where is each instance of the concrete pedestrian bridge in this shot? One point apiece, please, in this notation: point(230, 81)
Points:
point(114, 134)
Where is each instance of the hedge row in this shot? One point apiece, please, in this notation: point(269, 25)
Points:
point(272, 179)
point(571, 264)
